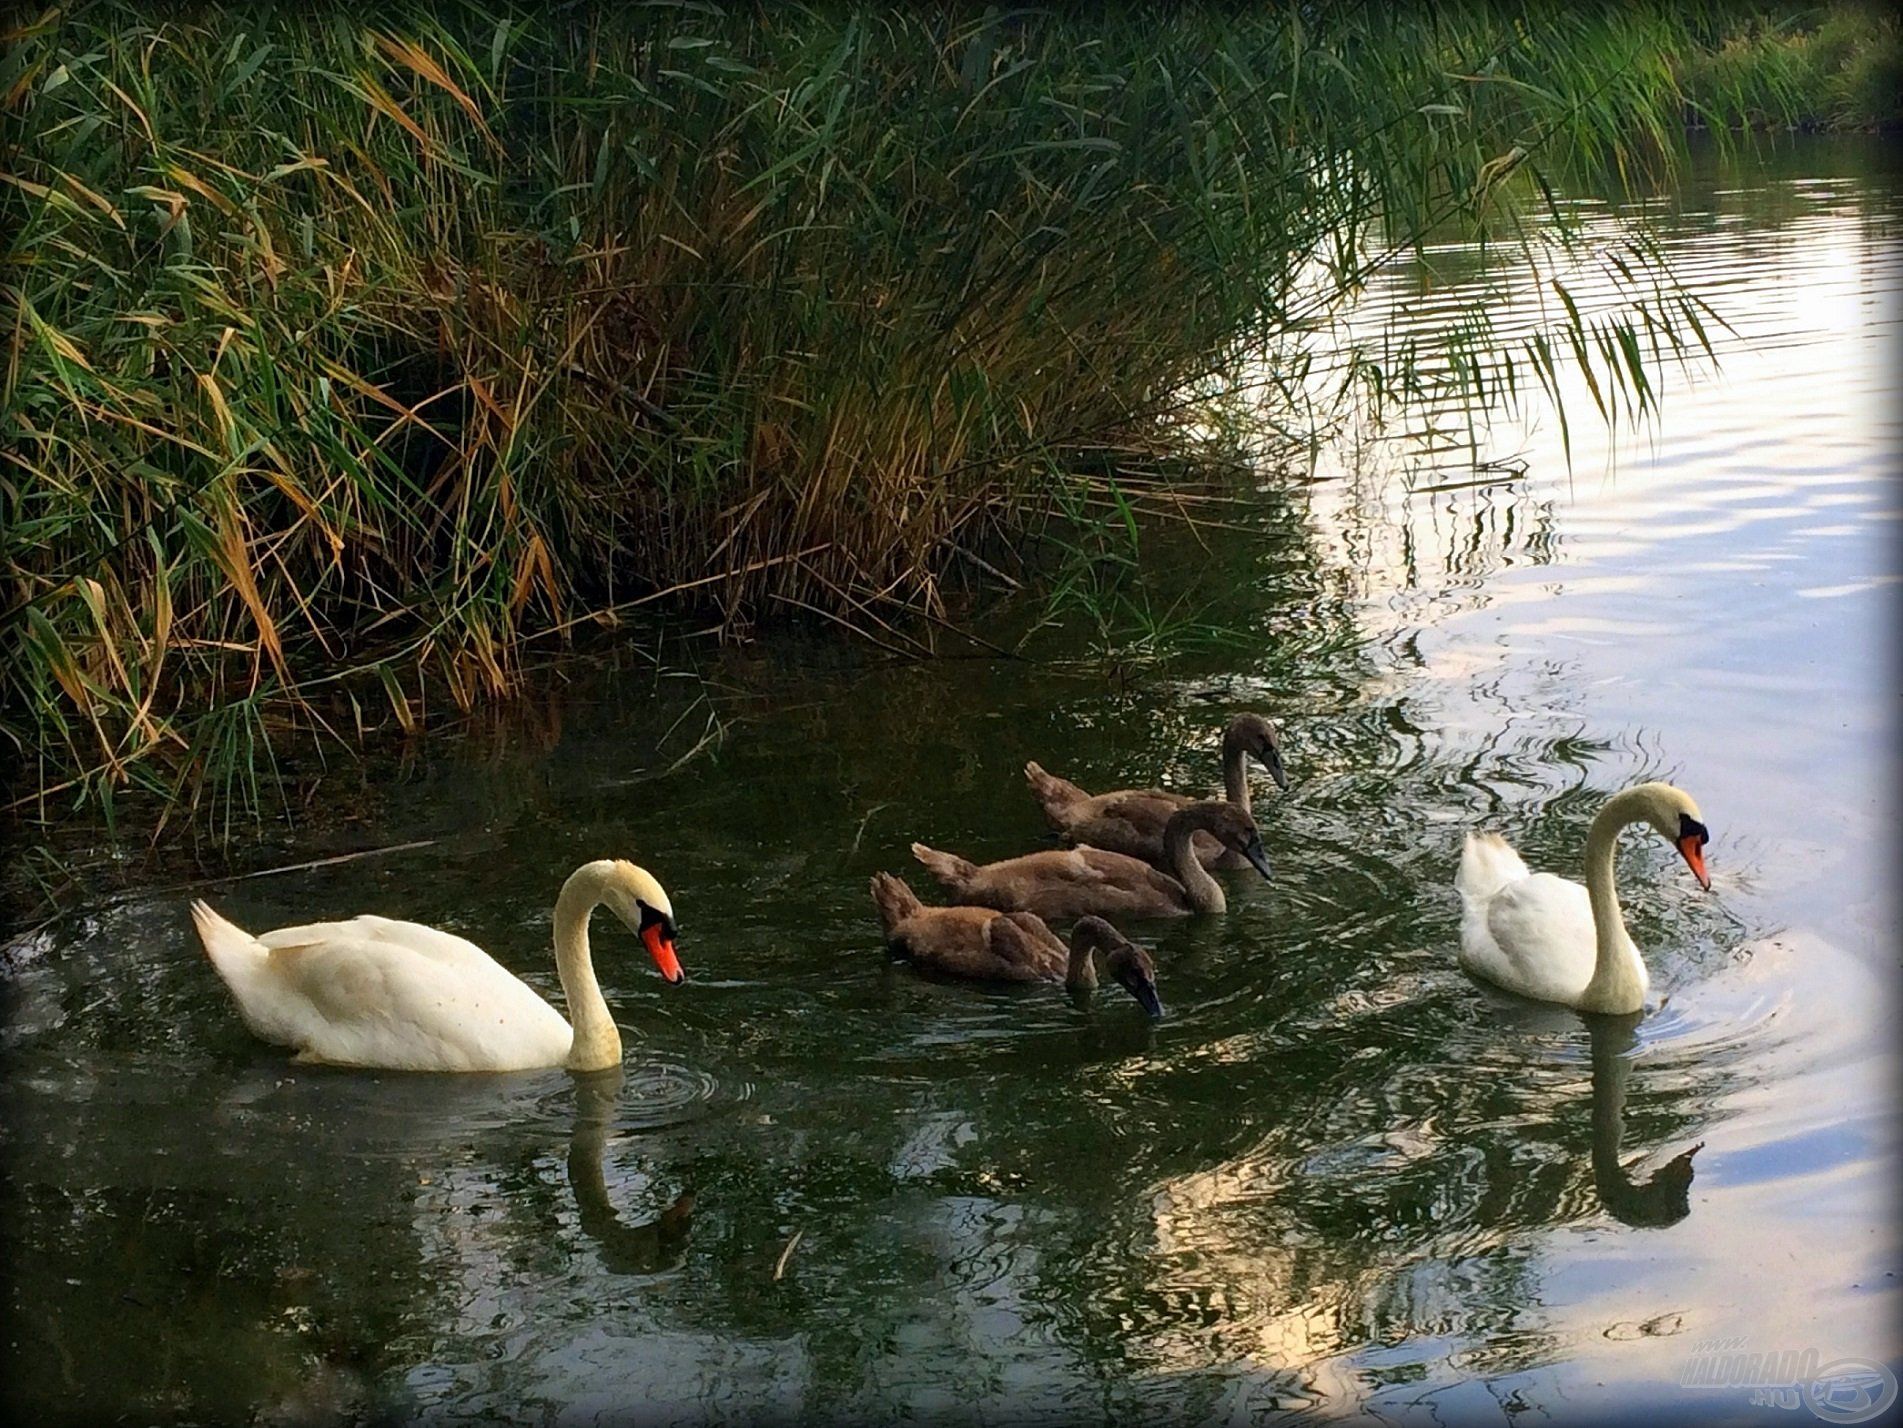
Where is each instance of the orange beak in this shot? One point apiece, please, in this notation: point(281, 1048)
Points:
point(1692, 849)
point(661, 948)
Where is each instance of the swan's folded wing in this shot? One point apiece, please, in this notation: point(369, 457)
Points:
point(338, 976)
point(1146, 810)
point(1120, 870)
point(429, 942)
point(1090, 866)
point(359, 1000)
point(1543, 925)
point(1054, 865)
point(1024, 944)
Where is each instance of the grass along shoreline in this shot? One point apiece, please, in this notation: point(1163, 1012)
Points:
point(349, 361)
point(1821, 67)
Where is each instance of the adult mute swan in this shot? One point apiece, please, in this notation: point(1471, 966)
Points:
point(1131, 820)
point(375, 992)
point(1547, 937)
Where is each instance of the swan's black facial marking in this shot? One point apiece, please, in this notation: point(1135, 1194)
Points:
point(1690, 827)
point(657, 935)
point(651, 917)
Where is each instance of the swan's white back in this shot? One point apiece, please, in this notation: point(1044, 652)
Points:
point(376, 992)
point(1532, 933)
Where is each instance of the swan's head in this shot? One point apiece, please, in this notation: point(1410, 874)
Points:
point(1674, 813)
point(633, 895)
point(1258, 737)
point(1234, 828)
point(1130, 966)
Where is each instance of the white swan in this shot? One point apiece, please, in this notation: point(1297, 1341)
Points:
point(373, 992)
point(1547, 937)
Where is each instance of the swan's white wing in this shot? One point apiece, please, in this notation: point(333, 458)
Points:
point(433, 943)
point(1539, 938)
point(412, 999)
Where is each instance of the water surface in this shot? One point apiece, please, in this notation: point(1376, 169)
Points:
point(1339, 1178)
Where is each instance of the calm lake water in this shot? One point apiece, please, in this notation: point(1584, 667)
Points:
point(1339, 1178)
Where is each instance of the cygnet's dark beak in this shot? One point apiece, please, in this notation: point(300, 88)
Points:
point(1256, 856)
point(1144, 990)
point(1271, 759)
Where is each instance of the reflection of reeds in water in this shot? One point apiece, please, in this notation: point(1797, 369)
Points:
point(1430, 552)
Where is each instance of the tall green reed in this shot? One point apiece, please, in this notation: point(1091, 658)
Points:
point(1837, 65)
point(350, 359)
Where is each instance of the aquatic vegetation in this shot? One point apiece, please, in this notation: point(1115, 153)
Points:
point(1831, 66)
point(352, 359)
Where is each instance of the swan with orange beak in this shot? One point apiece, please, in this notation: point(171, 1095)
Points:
point(1551, 939)
point(373, 991)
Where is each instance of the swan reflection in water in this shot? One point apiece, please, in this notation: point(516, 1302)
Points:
point(650, 1247)
point(1662, 1199)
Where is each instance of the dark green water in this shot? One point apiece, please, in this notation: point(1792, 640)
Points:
point(1339, 1179)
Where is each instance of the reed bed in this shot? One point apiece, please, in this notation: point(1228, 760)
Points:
point(1832, 66)
point(351, 357)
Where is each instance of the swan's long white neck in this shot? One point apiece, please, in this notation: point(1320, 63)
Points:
point(597, 1044)
point(1619, 977)
point(1205, 893)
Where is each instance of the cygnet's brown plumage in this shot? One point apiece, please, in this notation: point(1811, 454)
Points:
point(984, 944)
point(1075, 882)
point(1132, 820)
